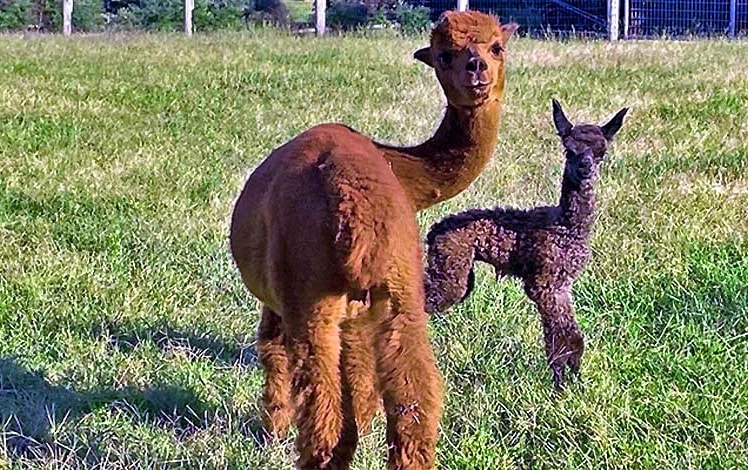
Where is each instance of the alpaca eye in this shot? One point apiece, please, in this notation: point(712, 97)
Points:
point(496, 49)
point(445, 58)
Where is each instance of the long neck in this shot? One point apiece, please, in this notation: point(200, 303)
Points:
point(448, 162)
point(578, 202)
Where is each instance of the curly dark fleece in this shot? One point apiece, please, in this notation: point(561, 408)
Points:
point(546, 247)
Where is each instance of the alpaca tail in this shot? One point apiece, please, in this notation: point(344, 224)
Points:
point(366, 204)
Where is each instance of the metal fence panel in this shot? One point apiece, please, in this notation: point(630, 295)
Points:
point(541, 17)
point(638, 18)
point(684, 18)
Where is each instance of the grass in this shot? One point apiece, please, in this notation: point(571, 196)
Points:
point(126, 335)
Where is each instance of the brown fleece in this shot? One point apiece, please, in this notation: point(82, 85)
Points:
point(324, 234)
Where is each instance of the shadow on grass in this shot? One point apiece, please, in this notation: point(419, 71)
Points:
point(126, 338)
point(31, 407)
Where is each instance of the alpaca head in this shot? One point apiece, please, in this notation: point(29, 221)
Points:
point(585, 144)
point(586, 138)
point(467, 53)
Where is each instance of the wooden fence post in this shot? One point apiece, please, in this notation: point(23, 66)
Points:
point(614, 8)
point(189, 5)
point(67, 17)
point(462, 5)
point(320, 13)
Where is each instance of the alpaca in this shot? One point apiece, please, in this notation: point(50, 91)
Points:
point(546, 247)
point(325, 228)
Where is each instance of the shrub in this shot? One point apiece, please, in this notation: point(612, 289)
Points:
point(15, 14)
point(125, 19)
point(219, 14)
point(159, 15)
point(346, 15)
point(47, 14)
point(114, 6)
point(381, 17)
point(412, 19)
point(88, 15)
point(168, 15)
point(274, 10)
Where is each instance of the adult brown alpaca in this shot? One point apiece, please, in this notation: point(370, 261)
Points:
point(326, 225)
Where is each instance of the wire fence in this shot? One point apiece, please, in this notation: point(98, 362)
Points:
point(683, 18)
point(614, 19)
point(542, 17)
point(635, 18)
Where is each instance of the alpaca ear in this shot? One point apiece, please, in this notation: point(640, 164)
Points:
point(424, 55)
point(610, 129)
point(507, 30)
point(563, 126)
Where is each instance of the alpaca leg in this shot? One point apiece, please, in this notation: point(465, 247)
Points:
point(276, 396)
point(346, 447)
point(409, 380)
point(359, 368)
point(564, 344)
point(314, 344)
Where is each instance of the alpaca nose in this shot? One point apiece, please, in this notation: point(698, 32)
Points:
point(476, 64)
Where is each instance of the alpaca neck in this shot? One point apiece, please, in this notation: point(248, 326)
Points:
point(448, 162)
point(577, 204)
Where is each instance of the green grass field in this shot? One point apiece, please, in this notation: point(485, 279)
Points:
point(126, 337)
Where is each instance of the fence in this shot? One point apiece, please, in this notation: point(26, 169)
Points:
point(647, 18)
point(624, 19)
point(614, 19)
point(543, 18)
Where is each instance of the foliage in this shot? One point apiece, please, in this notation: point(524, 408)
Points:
point(347, 15)
point(113, 6)
point(274, 10)
point(208, 15)
point(159, 15)
point(47, 15)
point(15, 14)
point(87, 15)
point(219, 14)
point(412, 19)
point(168, 15)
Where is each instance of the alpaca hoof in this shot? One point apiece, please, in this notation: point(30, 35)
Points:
point(559, 370)
point(565, 354)
point(558, 377)
point(575, 366)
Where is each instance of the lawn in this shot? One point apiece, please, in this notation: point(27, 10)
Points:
point(126, 336)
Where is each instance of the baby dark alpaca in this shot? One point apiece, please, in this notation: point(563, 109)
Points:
point(546, 247)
